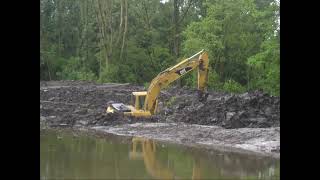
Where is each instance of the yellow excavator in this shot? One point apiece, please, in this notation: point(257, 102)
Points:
point(144, 103)
point(152, 165)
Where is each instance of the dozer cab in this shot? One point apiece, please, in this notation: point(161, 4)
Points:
point(144, 103)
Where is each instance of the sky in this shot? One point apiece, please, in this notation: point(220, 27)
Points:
point(164, 1)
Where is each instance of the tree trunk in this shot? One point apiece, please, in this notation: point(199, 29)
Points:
point(176, 28)
point(48, 70)
point(60, 27)
point(121, 21)
point(125, 27)
point(147, 18)
point(176, 33)
point(86, 31)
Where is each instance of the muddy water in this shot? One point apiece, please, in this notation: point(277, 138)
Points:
point(64, 155)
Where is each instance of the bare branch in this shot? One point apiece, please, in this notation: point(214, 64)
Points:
point(190, 2)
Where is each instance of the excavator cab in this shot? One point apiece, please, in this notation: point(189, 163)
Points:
point(137, 99)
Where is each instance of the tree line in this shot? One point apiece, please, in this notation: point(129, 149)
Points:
point(133, 40)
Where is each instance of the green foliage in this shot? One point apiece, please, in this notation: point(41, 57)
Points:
point(50, 63)
point(170, 101)
point(233, 32)
point(233, 87)
point(266, 67)
point(240, 36)
point(146, 85)
point(228, 34)
point(73, 70)
point(214, 82)
point(106, 75)
point(190, 79)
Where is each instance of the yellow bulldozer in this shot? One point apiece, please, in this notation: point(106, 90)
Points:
point(144, 103)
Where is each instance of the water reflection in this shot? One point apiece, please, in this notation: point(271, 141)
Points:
point(222, 165)
point(148, 154)
point(63, 156)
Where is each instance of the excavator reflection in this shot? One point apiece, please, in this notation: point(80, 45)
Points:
point(152, 165)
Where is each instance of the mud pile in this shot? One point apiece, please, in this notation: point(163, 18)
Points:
point(78, 103)
point(252, 109)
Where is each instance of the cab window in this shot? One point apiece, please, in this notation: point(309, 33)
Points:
point(141, 101)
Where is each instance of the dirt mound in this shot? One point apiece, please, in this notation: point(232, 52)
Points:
point(254, 110)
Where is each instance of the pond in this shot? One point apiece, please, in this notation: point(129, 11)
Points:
point(65, 155)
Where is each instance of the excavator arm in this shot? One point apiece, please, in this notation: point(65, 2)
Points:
point(173, 73)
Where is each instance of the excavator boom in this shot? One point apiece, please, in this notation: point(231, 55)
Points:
point(171, 74)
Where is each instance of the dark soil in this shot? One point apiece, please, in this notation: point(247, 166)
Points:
point(74, 103)
point(79, 103)
point(253, 109)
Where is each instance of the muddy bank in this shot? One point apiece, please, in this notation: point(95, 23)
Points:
point(263, 141)
point(80, 104)
point(84, 103)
